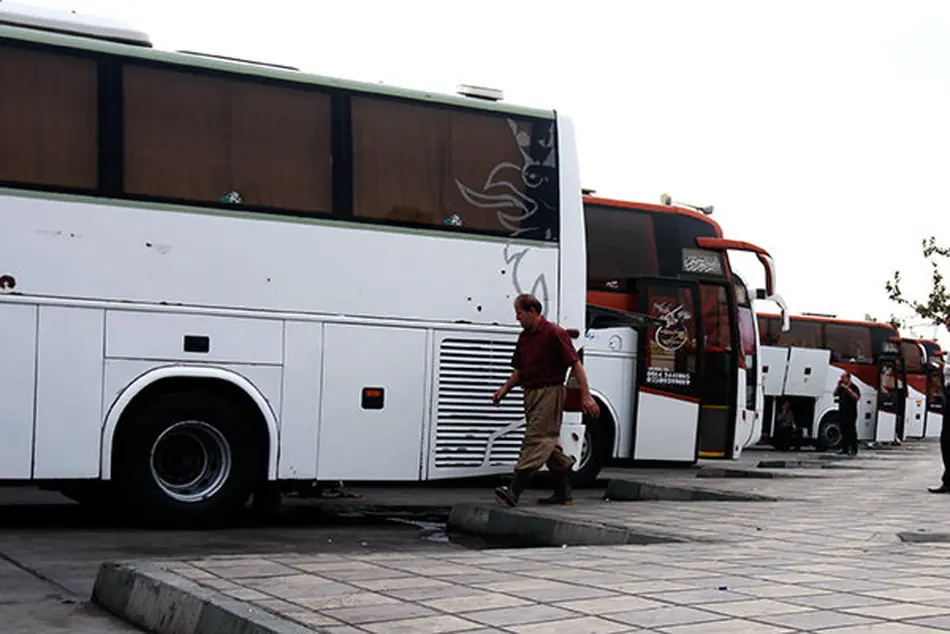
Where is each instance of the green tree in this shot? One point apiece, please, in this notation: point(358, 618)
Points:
point(936, 307)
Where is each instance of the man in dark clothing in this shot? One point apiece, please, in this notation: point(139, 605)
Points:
point(848, 397)
point(543, 354)
point(944, 445)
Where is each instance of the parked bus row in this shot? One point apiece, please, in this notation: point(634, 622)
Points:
point(900, 379)
point(222, 279)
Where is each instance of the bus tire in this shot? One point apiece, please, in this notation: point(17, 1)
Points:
point(188, 458)
point(598, 443)
point(830, 434)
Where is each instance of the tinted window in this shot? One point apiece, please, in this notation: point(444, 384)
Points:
point(452, 169)
point(879, 337)
point(198, 138)
point(913, 357)
point(803, 334)
point(849, 343)
point(620, 245)
point(48, 119)
point(717, 321)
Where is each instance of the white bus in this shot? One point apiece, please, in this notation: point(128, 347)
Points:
point(220, 278)
point(802, 367)
point(685, 385)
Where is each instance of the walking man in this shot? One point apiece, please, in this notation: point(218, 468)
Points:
point(542, 356)
point(848, 397)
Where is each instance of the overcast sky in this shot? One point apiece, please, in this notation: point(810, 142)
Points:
point(820, 130)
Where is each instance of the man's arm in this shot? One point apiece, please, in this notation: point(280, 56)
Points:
point(500, 393)
point(588, 404)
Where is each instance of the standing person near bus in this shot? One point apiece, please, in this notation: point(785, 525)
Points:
point(944, 443)
point(848, 397)
point(542, 356)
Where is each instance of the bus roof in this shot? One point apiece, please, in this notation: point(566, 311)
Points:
point(99, 39)
point(832, 320)
point(663, 209)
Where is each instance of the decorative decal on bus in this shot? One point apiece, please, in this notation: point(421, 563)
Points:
point(513, 203)
point(672, 335)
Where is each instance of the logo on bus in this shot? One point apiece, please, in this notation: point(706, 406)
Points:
point(673, 334)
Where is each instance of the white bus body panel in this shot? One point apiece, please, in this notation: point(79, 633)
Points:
point(914, 413)
point(68, 392)
point(745, 418)
point(129, 253)
point(610, 358)
point(666, 428)
point(886, 430)
point(934, 424)
point(323, 273)
point(372, 444)
point(807, 371)
point(774, 365)
point(17, 387)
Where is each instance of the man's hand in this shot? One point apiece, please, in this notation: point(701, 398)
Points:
point(498, 395)
point(589, 405)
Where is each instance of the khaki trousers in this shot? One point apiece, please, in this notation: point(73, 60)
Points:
point(543, 409)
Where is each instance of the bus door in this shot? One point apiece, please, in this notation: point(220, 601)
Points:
point(669, 372)
point(890, 399)
point(719, 358)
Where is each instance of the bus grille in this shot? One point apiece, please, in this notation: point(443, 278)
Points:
point(470, 370)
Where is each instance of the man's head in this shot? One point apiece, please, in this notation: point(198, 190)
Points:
point(527, 310)
point(846, 377)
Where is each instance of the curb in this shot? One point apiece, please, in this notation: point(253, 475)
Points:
point(527, 529)
point(632, 491)
point(161, 602)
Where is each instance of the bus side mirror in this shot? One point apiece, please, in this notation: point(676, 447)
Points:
point(760, 294)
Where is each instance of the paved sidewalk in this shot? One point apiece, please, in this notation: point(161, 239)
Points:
point(827, 557)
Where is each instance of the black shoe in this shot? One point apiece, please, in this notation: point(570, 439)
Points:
point(510, 495)
point(943, 488)
point(562, 490)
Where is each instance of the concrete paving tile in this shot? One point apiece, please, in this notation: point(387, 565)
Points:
point(755, 608)
point(921, 581)
point(507, 617)
point(431, 593)
point(564, 592)
point(815, 619)
point(610, 604)
point(350, 600)
point(940, 622)
point(400, 583)
point(245, 594)
point(884, 627)
point(242, 568)
point(374, 613)
point(917, 595)
point(899, 611)
point(473, 601)
point(666, 616)
point(729, 626)
point(580, 625)
point(779, 591)
point(297, 586)
point(650, 587)
point(692, 597)
point(427, 625)
point(836, 601)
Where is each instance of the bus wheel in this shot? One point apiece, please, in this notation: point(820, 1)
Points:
point(188, 457)
point(597, 446)
point(829, 434)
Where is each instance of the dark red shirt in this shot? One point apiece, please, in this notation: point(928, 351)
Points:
point(543, 355)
